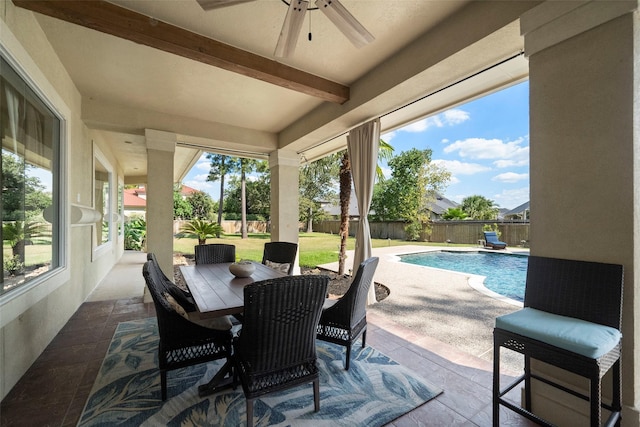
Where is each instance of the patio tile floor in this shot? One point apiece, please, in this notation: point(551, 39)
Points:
point(54, 390)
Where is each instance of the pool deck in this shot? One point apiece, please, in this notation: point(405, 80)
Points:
point(448, 306)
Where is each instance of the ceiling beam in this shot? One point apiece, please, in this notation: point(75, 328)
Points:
point(120, 22)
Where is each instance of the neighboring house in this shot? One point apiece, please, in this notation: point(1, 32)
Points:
point(439, 206)
point(135, 203)
point(334, 210)
point(520, 212)
point(135, 200)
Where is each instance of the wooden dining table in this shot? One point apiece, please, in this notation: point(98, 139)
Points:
point(217, 292)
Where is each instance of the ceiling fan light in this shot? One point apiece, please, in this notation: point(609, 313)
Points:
point(346, 23)
point(291, 28)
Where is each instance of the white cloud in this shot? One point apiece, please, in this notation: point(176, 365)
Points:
point(457, 167)
point(200, 185)
point(453, 180)
point(203, 163)
point(416, 127)
point(511, 163)
point(455, 116)
point(510, 177)
point(388, 136)
point(448, 118)
point(509, 154)
point(510, 199)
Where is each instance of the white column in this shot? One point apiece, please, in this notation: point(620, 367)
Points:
point(585, 170)
point(160, 153)
point(285, 169)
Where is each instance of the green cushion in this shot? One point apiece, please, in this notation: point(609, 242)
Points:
point(575, 335)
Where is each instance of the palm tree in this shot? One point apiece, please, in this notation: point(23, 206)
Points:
point(454, 213)
point(385, 152)
point(200, 229)
point(479, 207)
point(221, 165)
point(19, 233)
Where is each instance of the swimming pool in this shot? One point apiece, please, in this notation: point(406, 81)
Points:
point(505, 273)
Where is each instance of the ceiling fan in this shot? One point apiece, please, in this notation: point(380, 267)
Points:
point(333, 9)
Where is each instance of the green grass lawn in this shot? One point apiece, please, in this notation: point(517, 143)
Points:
point(34, 254)
point(315, 248)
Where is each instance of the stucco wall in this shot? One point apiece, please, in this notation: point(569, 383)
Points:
point(29, 322)
point(584, 169)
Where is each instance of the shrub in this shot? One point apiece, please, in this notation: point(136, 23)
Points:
point(13, 265)
point(135, 232)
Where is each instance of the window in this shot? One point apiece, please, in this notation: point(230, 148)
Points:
point(103, 178)
point(30, 181)
point(121, 209)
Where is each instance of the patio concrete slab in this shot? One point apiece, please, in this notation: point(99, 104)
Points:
point(438, 303)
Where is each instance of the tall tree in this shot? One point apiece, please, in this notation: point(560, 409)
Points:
point(24, 196)
point(479, 207)
point(246, 166)
point(181, 207)
point(317, 184)
point(345, 198)
point(221, 165)
point(257, 197)
point(201, 205)
point(412, 187)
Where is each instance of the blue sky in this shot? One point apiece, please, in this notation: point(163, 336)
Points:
point(484, 144)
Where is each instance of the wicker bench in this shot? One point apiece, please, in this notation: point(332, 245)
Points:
point(571, 319)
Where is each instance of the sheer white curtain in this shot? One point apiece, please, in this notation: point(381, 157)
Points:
point(363, 143)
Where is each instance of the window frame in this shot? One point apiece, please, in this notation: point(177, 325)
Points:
point(99, 249)
point(16, 301)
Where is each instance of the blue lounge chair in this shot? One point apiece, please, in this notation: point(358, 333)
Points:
point(491, 241)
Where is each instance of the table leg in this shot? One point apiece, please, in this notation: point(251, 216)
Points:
point(219, 382)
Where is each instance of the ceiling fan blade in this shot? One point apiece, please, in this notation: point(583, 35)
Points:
point(346, 23)
point(291, 28)
point(214, 4)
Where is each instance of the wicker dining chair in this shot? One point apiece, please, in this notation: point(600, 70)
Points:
point(280, 255)
point(215, 253)
point(344, 320)
point(572, 319)
point(276, 348)
point(182, 342)
point(184, 298)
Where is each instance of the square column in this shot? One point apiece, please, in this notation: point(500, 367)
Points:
point(161, 147)
point(285, 170)
point(585, 169)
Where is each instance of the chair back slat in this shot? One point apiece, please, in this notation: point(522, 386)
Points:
point(214, 253)
point(590, 291)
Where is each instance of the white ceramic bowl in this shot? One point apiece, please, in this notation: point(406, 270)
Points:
point(242, 268)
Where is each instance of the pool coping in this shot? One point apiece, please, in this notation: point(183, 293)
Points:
point(475, 281)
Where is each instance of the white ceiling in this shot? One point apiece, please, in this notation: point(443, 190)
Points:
point(421, 47)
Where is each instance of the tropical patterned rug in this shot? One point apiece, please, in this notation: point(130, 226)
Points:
point(375, 390)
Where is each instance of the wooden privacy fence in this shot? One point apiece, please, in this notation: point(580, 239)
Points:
point(465, 232)
point(231, 227)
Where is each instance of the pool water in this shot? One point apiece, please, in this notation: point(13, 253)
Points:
point(505, 273)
